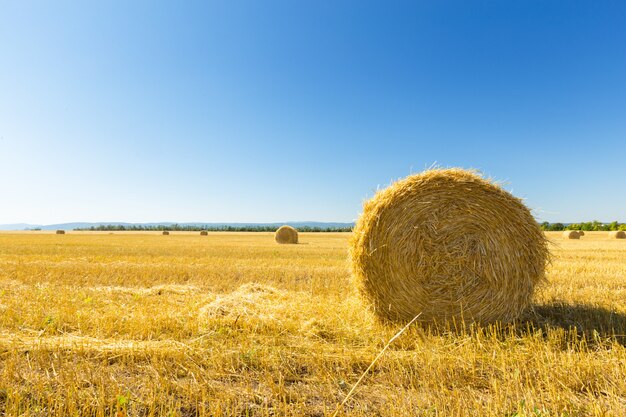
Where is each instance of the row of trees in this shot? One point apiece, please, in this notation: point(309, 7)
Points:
point(188, 228)
point(586, 226)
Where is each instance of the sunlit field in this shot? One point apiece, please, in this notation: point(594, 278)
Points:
point(139, 324)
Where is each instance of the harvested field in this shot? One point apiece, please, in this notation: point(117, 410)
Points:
point(233, 324)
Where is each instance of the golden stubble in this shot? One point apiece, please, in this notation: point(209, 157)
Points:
point(234, 324)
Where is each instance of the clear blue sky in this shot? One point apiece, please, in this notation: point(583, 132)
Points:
point(293, 110)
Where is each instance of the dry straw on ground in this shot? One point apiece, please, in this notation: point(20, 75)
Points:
point(571, 234)
point(252, 300)
point(165, 232)
point(620, 234)
point(204, 233)
point(60, 232)
point(286, 234)
point(448, 244)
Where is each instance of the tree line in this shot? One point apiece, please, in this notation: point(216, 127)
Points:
point(586, 226)
point(198, 228)
point(594, 226)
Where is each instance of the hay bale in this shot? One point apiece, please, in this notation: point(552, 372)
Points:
point(571, 234)
point(204, 233)
point(450, 245)
point(286, 234)
point(619, 234)
point(580, 233)
point(60, 232)
point(165, 232)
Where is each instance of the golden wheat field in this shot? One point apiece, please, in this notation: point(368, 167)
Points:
point(141, 324)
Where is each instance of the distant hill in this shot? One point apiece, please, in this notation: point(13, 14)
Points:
point(18, 226)
point(87, 225)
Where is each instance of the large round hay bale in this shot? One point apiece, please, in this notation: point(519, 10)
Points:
point(580, 233)
point(286, 234)
point(571, 234)
point(60, 232)
point(204, 233)
point(165, 232)
point(449, 245)
point(619, 234)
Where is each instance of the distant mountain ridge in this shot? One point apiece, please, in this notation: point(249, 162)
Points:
point(86, 225)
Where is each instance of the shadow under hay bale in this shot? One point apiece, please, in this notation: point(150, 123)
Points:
point(589, 322)
point(563, 325)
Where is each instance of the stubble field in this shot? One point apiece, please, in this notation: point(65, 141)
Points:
point(138, 324)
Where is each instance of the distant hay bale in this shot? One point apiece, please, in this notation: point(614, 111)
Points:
point(449, 245)
point(619, 234)
point(571, 234)
point(286, 234)
point(204, 233)
point(580, 233)
point(60, 232)
point(165, 232)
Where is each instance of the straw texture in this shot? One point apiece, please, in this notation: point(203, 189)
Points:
point(286, 234)
point(450, 245)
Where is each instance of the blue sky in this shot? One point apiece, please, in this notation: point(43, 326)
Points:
point(283, 110)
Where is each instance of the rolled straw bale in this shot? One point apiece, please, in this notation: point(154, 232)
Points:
point(165, 232)
point(571, 234)
point(447, 244)
point(204, 233)
point(60, 232)
point(617, 234)
point(286, 234)
point(580, 233)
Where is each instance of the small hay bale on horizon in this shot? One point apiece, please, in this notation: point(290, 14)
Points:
point(617, 234)
point(448, 245)
point(165, 232)
point(204, 233)
point(286, 235)
point(60, 232)
point(571, 234)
